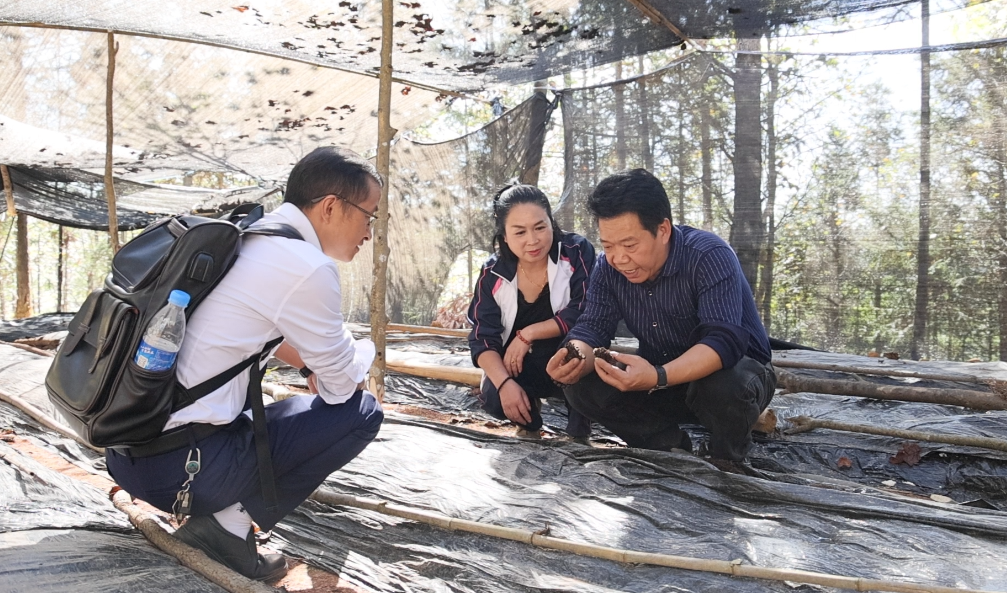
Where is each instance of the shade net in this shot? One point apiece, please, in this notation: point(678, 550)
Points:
point(458, 45)
point(76, 198)
point(809, 166)
point(440, 207)
point(180, 105)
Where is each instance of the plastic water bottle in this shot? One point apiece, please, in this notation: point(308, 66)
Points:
point(163, 337)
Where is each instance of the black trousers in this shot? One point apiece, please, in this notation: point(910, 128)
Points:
point(538, 385)
point(727, 403)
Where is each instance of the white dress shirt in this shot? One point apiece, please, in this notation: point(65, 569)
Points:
point(277, 287)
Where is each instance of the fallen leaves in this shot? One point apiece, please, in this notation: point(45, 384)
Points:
point(909, 454)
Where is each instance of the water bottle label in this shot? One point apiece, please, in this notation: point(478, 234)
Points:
point(154, 359)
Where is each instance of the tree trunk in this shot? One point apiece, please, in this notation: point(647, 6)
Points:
point(539, 121)
point(620, 119)
point(746, 231)
point(59, 272)
point(766, 281)
point(681, 159)
point(1001, 217)
point(565, 212)
point(706, 150)
point(923, 247)
point(23, 281)
point(642, 99)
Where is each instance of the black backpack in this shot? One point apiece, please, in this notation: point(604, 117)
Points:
point(94, 382)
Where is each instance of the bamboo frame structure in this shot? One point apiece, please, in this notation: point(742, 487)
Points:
point(8, 190)
point(113, 218)
point(728, 567)
point(379, 316)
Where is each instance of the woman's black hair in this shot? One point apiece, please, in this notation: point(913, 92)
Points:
point(506, 198)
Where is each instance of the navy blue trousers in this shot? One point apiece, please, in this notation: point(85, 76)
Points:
point(309, 440)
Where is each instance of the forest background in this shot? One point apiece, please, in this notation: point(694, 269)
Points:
point(835, 220)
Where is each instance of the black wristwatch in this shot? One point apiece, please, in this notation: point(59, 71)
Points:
point(305, 372)
point(662, 378)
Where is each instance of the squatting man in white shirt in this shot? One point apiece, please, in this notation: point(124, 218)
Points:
point(277, 287)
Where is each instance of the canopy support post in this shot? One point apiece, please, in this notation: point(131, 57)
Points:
point(113, 219)
point(379, 316)
point(8, 190)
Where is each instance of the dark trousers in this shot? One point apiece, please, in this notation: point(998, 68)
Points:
point(308, 438)
point(538, 385)
point(727, 403)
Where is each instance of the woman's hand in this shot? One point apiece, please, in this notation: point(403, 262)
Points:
point(513, 358)
point(515, 403)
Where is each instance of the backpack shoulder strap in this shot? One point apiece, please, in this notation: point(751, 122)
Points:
point(275, 229)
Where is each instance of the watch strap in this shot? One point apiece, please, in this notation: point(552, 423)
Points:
point(662, 378)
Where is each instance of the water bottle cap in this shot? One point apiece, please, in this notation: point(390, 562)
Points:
point(179, 297)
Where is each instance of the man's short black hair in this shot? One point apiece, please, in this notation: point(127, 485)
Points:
point(635, 190)
point(330, 170)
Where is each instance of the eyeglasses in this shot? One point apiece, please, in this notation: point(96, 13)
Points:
point(371, 216)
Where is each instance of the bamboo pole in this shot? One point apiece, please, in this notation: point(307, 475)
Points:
point(8, 187)
point(379, 317)
point(952, 397)
point(113, 218)
point(464, 375)
point(422, 329)
point(805, 424)
point(44, 419)
point(186, 555)
point(887, 372)
point(728, 567)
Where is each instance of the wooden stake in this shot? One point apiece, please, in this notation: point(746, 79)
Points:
point(379, 316)
point(952, 397)
point(113, 219)
point(805, 424)
point(8, 190)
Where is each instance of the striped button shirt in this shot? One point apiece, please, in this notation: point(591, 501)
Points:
point(700, 296)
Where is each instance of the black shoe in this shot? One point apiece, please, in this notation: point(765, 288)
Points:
point(206, 534)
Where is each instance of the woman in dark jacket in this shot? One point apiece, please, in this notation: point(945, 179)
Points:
point(528, 296)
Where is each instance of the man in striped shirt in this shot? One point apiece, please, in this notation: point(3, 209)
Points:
point(704, 354)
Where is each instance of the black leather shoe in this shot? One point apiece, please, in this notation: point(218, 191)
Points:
point(206, 534)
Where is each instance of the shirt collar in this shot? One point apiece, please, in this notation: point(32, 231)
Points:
point(292, 215)
point(676, 246)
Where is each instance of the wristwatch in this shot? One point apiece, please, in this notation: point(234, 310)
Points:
point(662, 378)
point(305, 372)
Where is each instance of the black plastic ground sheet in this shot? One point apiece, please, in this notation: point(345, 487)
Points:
point(59, 535)
point(624, 498)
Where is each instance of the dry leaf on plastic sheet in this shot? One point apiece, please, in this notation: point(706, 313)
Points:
point(844, 463)
point(909, 454)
